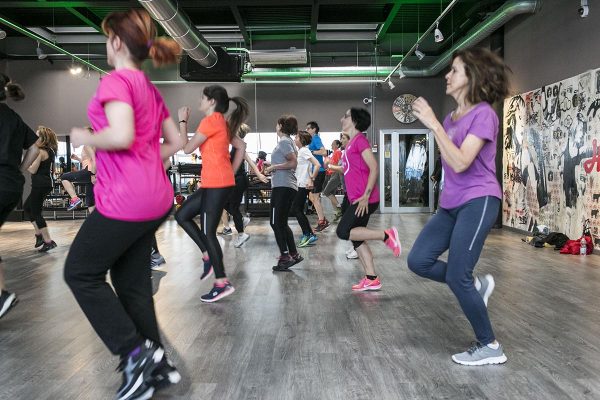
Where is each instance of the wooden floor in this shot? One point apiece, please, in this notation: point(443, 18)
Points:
point(304, 334)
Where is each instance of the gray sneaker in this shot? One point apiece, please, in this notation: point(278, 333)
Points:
point(487, 287)
point(480, 355)
point(156, 260)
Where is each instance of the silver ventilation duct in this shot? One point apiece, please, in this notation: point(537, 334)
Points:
point(178, 25)
point(505, 13)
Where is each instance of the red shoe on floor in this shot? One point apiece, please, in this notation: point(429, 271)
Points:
point(367, 284)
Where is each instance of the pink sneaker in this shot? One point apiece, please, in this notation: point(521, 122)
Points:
point(367, 284)
point(393, 241)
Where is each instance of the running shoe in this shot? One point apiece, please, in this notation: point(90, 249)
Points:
point(367, 284)
point(352, 254)
point(297, 258)
point(156, 260)
point(285, 262)
point(241, 239)
point(164, 375)
point(338, 214)
point(479, 354)
point(208, 269)
point(74, 203)
point(7, 301)
point(393, 241)
point(47, 246)
point(39, 240)
point(137, 369)
point(218, 292)
point(227, 231)
point(312, 239)
point(322, 225)
point(246, 221)
point(303, 241)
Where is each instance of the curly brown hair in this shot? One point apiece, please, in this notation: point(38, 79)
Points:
point(48, 139)
point(487, 74)
point(289, 124)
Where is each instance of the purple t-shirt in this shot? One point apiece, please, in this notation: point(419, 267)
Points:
point(131, 184)
point(356, 170)
point(480, 178)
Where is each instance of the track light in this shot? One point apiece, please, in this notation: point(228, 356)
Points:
point(2, 34)
point(40, 53)
point(401, 73)
point(420, 55)
point(437, 34)
point(391, 84)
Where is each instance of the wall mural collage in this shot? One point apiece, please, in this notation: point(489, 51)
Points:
point(552, 157)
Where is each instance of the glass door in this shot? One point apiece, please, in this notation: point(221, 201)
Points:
point(406, 163)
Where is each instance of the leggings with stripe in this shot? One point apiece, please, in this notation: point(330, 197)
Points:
point(461, 231)
point(208, 203)
point(281, 203)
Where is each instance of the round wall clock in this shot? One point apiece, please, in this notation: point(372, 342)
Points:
point(402, 108)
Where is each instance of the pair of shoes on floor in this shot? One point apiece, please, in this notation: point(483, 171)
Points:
point(145, 370)
point(286, 261)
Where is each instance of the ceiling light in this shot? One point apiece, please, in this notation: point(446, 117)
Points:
point(420, 55)
point(401, 73)
point(437, 34)
point(75, 69)
point(391, 84)
point(2, 34)
point(40, 53)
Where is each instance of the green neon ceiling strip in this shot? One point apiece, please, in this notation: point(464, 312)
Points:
point(48, 43)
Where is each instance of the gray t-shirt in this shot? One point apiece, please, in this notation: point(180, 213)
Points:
point(283, 177)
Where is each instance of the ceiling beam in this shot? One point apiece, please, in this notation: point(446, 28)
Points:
point(388, 21)
point(314, 21)
point(85, 19)
point(240, 21)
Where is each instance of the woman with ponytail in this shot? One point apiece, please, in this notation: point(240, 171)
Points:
point(213, 136)
point(41, 185)
point(128, 116)
point(15, 136)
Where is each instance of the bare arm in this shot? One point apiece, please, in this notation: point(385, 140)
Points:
point(35, 165)
point(173, 140)
point(320, 152)
point(363, 201)
point(254, 168)
point(459, 159)
point(92, 154)
point(118, 135)
point(291, 163)
point(30, 156)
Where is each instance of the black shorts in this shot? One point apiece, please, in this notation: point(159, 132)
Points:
point(350, 220)
point(319, 180)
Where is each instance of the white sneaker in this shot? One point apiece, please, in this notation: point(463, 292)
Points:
point(241, 239)
point(352, 255)
point(246, 221)
point(350, 250)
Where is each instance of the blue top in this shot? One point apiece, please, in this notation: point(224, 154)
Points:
point(317, 144)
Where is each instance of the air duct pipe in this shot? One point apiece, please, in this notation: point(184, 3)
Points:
point(178, 25)
point(504, 14)
point(317, 72)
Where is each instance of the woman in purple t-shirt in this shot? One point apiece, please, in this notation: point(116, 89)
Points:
point(133, 197)
point(360, 175)
point(471, 197)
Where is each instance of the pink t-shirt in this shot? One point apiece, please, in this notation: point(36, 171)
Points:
point(356, 170)
point(131, 184)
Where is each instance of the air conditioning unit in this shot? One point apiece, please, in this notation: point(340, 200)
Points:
point(229, 68)
point(270, 57)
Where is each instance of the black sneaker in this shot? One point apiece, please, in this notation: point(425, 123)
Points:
point(7, 301)
point(47, 246)
point(217, 293)
point(284, 263)
point(208, 270)
point(297, 258)
point(39, 240)
point(137, 369)
point(164, 375)
point(156, 260)
point(227, 231)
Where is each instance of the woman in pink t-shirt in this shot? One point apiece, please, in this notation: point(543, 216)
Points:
point(360, 175)
point(133, 197)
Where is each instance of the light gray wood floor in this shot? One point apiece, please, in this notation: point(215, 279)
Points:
point(305, 334)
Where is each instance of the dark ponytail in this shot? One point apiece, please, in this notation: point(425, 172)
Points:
point(237, 117)
point(10, 89)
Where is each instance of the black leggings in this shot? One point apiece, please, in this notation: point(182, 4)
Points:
point(350, 220)
point(8, 202)
point(33, 205)
point(298, 208)
point(123, 317)
point(281, 202)
point(232, 206)
point(208, 203)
